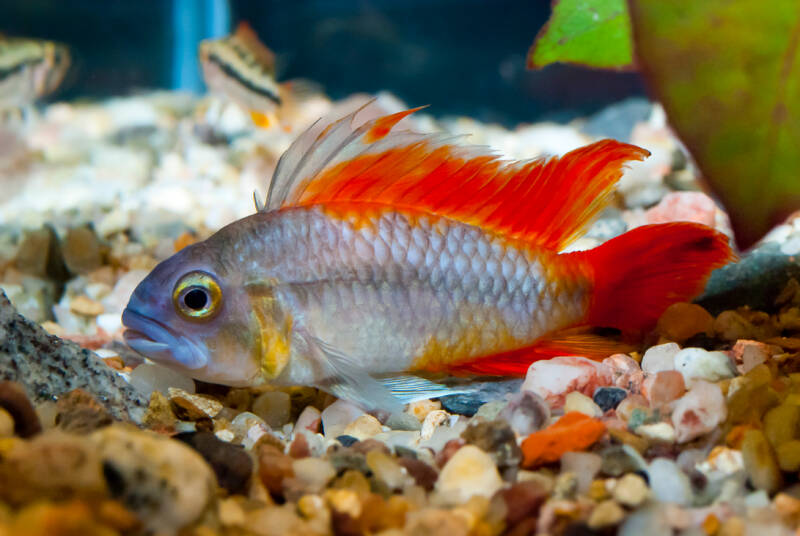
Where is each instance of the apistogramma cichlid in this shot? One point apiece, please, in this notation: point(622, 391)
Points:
point(379, 253)
point(29, 69)
point(241, 68)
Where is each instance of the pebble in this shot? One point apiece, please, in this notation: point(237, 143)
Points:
point(14, 400)
point(750, 354)
point(79, 413)
point(248, 428)
point(625, 372)
point(388, 471)
point(732, 326)
point(621, 459)
point(782, 423)
point(82, 249)
point(230, 463)
point(699, 411)
point(149, 377)
point(630, 490)
point(526, 412)
point(663, 387)
point(85, 306)
point(470, 471)
point(572, 432)
point(609, 397)
point(423, 474)
point(309, 419)
point(660, 432)
point(699, 364)
point(584, 465)
point(606, 514)
point(337, 416)
point(681, 321)
point(581, 403)
point(759, 462)
point(668, 483)
point(421, 408)
point(274, 407)
point(495, 437)
point(491, 410)
point(166, 483)
point(193, 407)
point(313, 473)
point(403, 421)
point(273, 468)
point(788, 455)
point(6, 424)
point(661, 357)
point(432, 421)
point(553, 378)
point(523, 500)
point(363, 427)
point(347, 440)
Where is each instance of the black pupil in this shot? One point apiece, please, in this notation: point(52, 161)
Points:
point(196, 299)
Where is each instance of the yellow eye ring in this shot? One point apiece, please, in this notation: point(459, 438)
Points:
point(197, 296)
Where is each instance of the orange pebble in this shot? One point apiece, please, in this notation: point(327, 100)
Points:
point(575, 431)
point(711, 524)
point(185, 239)
point(736, 435)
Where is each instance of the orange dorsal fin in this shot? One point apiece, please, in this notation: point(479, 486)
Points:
point(249, 39)
point(547, 201)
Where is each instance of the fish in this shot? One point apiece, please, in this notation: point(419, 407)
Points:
point(382, 257)
point(241, 68)
point(30, 69)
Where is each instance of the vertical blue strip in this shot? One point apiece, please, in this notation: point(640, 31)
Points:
point(193, 21)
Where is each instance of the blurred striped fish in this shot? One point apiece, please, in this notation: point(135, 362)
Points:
point(30, 69)
point(239, 67)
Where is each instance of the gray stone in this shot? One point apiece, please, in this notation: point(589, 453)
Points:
point(48, 367)
point(480, 393)
point(617, 121)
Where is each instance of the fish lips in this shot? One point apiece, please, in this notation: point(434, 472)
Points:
point(159, 343)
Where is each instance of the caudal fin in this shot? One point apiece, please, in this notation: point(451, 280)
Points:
point(642, 272)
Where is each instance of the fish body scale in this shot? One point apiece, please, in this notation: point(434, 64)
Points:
point(403, 291)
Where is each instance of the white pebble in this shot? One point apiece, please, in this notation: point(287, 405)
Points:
point(699, 411)
point(581, 403)
point(662, 432)
point(668, 483)
point(699, 364)
point(314, 473)
point(431, 422)
point(338, 415)
point(585, 465)
point(470, 471)
point(661, 357)
point(274, 407)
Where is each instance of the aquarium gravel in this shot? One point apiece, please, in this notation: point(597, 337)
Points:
point(696, 432)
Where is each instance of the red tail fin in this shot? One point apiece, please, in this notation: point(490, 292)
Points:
point(642, 272)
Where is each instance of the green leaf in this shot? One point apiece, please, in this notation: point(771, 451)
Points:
point(728, 75)
point(593, 33)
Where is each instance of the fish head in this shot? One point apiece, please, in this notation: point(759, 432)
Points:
point(192, 314)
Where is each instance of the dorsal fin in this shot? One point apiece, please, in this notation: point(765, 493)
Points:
point(544, 201)
point(249, 39)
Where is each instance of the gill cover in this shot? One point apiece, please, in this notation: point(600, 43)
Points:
point(272, 328)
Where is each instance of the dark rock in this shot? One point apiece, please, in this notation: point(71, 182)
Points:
point(449, 448)
point(497, 439)
point(403, 421)
point(347, 440)
point(47, 367)
point(299, 447)
point(40, 254)
point(621, 459)
point(617, 121)
point(80, 413)
point(609, 397)
point(756, 280)
point(422, 473)
point(343, 459)
point(15, 401)
point(480, 393)
point(526, 412)
point(230, 462)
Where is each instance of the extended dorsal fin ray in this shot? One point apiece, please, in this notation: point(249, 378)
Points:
point(547, 201)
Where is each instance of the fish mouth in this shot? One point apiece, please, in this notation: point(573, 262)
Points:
point(160, 343)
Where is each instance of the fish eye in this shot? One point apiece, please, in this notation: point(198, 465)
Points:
point(197, 296)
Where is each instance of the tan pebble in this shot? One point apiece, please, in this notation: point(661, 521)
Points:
point(781, 424)
point(470, 471)
point(576, 401)
point(435, 522)
point(6, 424)
point(786, 505)
point(159, 412)
point(631, 490)
point(345, 501)
point(52, 328)
point(421, 408)
point(682, 320)
point(660, 432)
point(387, 470)
point(733, 526)
point(759, 462)
point(598, 490)
point(310, 505)
point(314, 473)
point(194, 406)
point(363, 427)
point(116, 515)
point(625, 437)
point(82, 305)
point(432, 422)
point(605, 514)
point(231, 513)
point(788, 455)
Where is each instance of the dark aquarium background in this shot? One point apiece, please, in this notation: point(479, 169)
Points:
point(464, 57)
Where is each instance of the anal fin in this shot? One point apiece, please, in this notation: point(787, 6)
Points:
point(580, 341)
